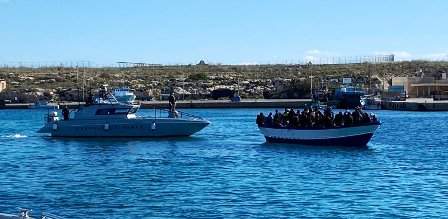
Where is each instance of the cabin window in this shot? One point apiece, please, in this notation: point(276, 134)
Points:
point(112, 111)
point(121, 111)
point(105, 111)
point(133, 110)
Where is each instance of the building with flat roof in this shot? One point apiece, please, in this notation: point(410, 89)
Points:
point(423, 87)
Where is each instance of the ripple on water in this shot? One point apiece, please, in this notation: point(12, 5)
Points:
point(14, 136)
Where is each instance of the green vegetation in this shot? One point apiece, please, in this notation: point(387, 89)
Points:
point(198, 76)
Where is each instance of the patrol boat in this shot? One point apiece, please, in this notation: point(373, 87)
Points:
point(107, 117)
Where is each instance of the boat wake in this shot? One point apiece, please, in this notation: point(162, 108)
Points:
point(17, 135)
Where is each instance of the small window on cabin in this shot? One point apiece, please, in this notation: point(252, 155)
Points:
point(133, 110)
point(121, 111)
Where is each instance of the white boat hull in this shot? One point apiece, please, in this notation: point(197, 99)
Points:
point(346, 136)
point(161, 127)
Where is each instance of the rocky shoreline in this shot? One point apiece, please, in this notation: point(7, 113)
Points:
point(195, 82)
point(182, 104)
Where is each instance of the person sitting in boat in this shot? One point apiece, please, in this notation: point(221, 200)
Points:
point(268, 121)
point(328, 121)
point(277, 119)
point(284, 117)
point(295, 123)
point(306, 109)
point(328, 112)
point(306, 119)
point(302, 119)
point(291, 118)
point(339, 119)
point(260, 119)
point(288, 117)
point(357, 115)
point(310, 118)
point(365, 118)
point(373, 118)
point(348, 118)
point(328, 118)
point(315, 119)
point(320, 119)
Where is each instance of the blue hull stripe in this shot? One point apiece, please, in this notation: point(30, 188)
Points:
point(356, 140)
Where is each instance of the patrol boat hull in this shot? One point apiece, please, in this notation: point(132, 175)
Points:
point(160, 127)
point(339, 136)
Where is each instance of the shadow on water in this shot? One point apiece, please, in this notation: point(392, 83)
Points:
point(121, 145)
point(110, 150)
point(303, 147)
point(119, 140)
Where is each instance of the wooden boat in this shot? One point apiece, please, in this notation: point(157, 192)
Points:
point(357, 135)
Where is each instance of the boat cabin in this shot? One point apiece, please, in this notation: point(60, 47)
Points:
point(107, 111)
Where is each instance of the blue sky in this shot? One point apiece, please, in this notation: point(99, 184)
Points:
point(219, 31)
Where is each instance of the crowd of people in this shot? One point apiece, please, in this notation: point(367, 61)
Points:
point(315, 118)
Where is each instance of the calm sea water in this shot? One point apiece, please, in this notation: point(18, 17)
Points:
point(226, 171)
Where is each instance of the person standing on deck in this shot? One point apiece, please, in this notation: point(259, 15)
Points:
point(172, 102)
point(66, 113)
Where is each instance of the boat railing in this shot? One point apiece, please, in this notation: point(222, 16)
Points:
point(166, 113)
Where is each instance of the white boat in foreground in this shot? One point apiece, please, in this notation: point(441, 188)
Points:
point(358, 135)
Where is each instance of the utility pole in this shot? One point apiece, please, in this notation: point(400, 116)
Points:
point(77, 83)
point(370, 76)
point(311, 80)
point(83, 83)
